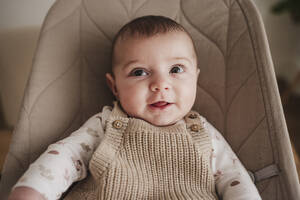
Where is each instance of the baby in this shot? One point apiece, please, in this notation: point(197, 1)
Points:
point(150, 145)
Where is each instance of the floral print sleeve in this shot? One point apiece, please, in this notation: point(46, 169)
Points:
point(66, 161)
point(231, 178)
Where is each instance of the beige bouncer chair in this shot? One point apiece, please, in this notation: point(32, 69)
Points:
point(237, 90)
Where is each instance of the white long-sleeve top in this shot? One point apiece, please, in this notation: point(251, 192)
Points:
point(66, 162)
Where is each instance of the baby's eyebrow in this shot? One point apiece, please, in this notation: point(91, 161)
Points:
point(128, 64)
point(181, 58)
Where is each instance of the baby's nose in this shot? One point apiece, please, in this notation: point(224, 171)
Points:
point(159, 85)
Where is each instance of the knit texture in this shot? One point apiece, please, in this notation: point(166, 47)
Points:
point(137, 160)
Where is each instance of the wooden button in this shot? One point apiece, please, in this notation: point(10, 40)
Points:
point(117, 124)
point(195, 127)
point(193, 116)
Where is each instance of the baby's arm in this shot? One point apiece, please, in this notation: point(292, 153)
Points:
point(25, 193)
point(232, 179)
point(63, 162)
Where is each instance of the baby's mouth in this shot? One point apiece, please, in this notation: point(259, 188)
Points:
point(160, 104)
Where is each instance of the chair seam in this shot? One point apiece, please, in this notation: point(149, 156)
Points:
point(200, 32)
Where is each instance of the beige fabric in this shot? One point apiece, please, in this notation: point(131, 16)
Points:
point(237, 89)
point(137, 160)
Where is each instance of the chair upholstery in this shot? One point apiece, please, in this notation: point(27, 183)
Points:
point(237, 90)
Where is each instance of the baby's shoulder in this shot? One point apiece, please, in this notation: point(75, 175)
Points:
point(204, 122)
point(99, 118)
point(195, 116)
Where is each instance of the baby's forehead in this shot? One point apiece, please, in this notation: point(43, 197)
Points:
point(126, 37)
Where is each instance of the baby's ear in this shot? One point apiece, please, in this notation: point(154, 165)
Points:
point(111, 84)
point(198, 72)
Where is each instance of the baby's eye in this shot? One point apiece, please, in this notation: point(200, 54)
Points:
point(138, 72)
point(177, 69)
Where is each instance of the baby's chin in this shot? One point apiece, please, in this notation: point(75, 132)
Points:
point(155, 121)
point(162, 122)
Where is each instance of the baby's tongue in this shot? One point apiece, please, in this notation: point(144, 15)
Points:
point(160, 103)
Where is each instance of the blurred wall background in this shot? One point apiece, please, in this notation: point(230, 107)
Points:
point(284, 39)
point(20, 23)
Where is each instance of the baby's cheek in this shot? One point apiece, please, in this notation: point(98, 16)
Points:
point(188, 97)
point(130, 102)
point(188, 91)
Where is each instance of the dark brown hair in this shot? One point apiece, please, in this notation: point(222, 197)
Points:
point(147, 26)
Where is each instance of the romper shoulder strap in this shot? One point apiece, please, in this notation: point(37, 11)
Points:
point(195, 124)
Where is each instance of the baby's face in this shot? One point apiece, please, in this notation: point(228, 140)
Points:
point(155, 77)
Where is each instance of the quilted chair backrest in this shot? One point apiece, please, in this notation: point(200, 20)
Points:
point(237, 90)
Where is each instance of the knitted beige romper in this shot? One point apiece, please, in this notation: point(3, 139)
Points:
point(137, 160)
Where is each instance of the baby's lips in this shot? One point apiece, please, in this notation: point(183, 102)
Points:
point(160, 103)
